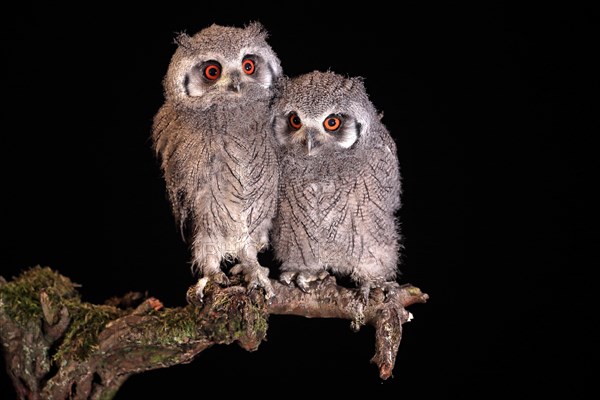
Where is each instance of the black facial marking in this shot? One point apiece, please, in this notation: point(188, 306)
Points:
point(186, 84)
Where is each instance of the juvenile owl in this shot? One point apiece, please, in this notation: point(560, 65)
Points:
point(217, 151)
point(340, 185)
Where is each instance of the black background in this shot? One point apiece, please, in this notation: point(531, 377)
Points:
point(483, 103)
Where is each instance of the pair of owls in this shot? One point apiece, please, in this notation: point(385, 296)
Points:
point(252, 158)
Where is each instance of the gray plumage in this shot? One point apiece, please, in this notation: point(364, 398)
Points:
point(217, 153)
point(340, 185)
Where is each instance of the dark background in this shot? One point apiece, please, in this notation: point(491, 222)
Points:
point(483, 103)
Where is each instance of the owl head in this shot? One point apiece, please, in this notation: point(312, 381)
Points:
point(222, 64)
point(320, 112)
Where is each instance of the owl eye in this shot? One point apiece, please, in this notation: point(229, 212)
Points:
point(212, 71)
point(248, 66)
point(332, 123)
point(295, 121)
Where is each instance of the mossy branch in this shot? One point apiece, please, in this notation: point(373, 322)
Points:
point(58, 347)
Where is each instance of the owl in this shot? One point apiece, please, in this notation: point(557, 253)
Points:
point(213, 137)
point(340, 185)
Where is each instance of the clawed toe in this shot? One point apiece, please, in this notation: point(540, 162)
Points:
point(219, 278)
point(287, 277)
point(390, 288)
point(387, 289)
point(195, 294)
point(236, 269)
point(302, 279)
point(365, 291)
point(255, 276)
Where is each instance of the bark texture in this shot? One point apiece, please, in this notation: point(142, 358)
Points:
point(58, 347)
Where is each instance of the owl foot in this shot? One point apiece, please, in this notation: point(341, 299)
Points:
point(390, 288)
point(219, 278)
point(386, 289)
point(255, 276)
point(302, 279)
point(195, 293)
point(287, 277)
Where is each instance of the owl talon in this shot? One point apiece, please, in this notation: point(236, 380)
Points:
point(219, 278)
point(325, 275)
point(303, 283)
point(303, 279)
point(255, 277)
point(236, 269)
point(195, 294)
point(287, 277)
point(379, 291)
point(365, 291)
point(390, 288)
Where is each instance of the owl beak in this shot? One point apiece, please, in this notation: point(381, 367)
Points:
point(310, 141)
point(234, 83)
point(234, 87)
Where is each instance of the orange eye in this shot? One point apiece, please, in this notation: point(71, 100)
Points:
point(332, 123)
point(248, 66)
point(212, 71)
point(295, 121)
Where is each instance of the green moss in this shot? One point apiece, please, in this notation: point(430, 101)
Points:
point(87, 321)
point(21, 300)
point(235, 317)
point(414, 291)
point(231, 316)
point(174, 326)
point(157, 358)
point(108, 394)
point(260, 321)
point(21, 296)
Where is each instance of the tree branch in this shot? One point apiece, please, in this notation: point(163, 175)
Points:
point(58, 347)
point(385, 312)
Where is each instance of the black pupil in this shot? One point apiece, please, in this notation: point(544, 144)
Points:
point(331, 122)
point(248, 65)
point(296, 120)
point(213, 71)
